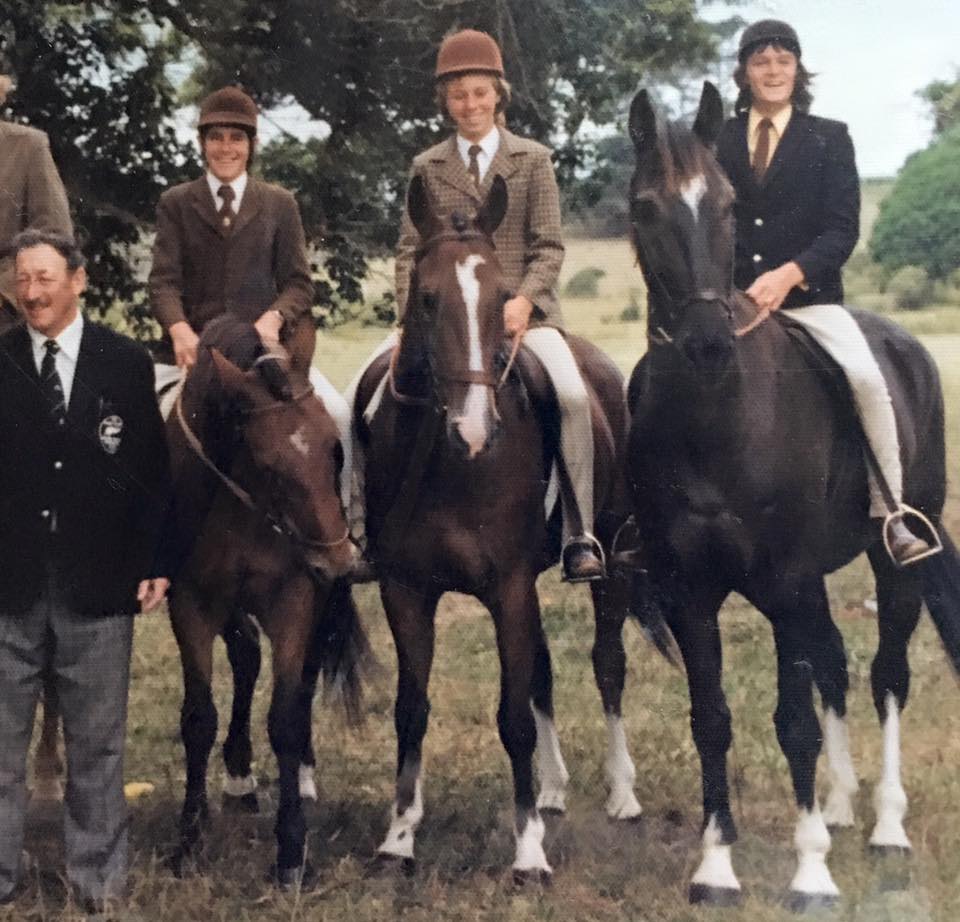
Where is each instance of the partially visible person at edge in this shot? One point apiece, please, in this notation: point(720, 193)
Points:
point(31, 193)
point(84, 485)
point(229, 242)
point(797, 221)
point(472, 92)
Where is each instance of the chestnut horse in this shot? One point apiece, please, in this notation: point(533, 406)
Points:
point(444, 518)
point(258, 530)
point(748, 472)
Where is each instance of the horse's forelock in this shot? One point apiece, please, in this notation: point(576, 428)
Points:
point(680, 157)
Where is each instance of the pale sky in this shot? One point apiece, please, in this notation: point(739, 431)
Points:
point(871, 56)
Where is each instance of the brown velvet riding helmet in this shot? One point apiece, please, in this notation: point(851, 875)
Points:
point(469, 51)
point(229, 106)
point(768, 32)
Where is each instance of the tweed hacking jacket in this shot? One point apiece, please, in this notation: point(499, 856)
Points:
point(202, 270)
point(31, 194)
point(529, 242)
point(806, 208)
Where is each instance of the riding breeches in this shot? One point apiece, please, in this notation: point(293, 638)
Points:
point(835, 329)
point(576, 427)
point(169, 382)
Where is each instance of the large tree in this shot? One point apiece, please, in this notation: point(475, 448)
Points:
point(92, 76)
point(364, 69)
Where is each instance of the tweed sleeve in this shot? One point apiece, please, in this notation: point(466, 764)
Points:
point(294, 284)
point(840, 225)
point(405, 253)
point(165, 283)
point(47, 205)
point(543, 243)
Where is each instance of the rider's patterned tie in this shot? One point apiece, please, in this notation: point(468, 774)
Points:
point(225, 211)
point(761, 153)
point(51, 385)
point(474, 167)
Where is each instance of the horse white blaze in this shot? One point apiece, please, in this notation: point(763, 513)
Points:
point(530, 853)
point(812, 841)
point(473, 422)
point(716, 869)
point(299, 442)
point(622, 803)
point(889, 798)
point(692, 191)
point(403, 827)
point(550, 766)
point(841, 776)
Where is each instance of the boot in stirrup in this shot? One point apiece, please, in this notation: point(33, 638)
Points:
point(903, 546)
point(582, 559)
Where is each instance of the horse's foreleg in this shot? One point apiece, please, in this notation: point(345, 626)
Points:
point(610, 601)
point(519, 634)
point(694, 624)
point(198, 715)
point(799, 627)
point(47, 762)
point(550, 765)
point(898, 610)
point(289, 629)
point(411, 617)
point(242, 640)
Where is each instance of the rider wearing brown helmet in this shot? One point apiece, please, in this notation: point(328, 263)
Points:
point(459, 172)
point(797, 221)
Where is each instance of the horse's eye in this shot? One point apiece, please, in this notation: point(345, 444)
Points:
point(645, 211)
point(429, 301)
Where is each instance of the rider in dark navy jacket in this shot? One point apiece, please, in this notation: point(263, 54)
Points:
point(798, 214)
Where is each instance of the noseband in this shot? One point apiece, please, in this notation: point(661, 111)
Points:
point(278, 523)
point(660, 337)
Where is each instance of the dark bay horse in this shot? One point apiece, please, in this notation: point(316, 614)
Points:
point(258, 531)
point(748, 473)
point(458, 462)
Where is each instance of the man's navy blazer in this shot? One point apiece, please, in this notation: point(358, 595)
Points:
point(104, 477)
point(806, 209)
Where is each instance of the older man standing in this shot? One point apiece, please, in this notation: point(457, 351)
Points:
point(31, 193)
point(84, 483)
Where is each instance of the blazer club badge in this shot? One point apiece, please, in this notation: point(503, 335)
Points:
point(110, 431)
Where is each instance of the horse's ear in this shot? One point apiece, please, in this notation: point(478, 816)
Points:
point(643, 123)
point(709, 116)
point(494, 208)
point(419, 208)
point(232, 378)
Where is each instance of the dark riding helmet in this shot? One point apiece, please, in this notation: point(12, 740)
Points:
point(768, 32)
point(229, 106)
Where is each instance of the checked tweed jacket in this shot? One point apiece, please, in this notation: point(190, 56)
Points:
point(529, 243)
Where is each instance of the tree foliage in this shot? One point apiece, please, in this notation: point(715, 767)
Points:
point(919, 221)
point(94, 75)
point(88, 75)
point(943, 96)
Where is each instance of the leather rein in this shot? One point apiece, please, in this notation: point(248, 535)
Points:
point(660, 337)
point(278, 524)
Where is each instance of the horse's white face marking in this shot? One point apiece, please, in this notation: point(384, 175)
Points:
point(692, 192)
point(889, 798)
point(716, 869)
point(299, 443)
point(472, 423)
point(812, 841)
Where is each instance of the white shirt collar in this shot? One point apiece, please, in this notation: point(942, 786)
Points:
point(238, 185)
point(68, 340)
point(780, 121)
point(489, 145)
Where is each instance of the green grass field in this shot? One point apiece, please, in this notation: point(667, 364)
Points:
point(604, 871)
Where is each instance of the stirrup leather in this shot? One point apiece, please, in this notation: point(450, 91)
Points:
point(928, 532)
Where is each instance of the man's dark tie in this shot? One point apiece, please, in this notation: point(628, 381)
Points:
point(51, 385)
point(474, 166)
point(761, 153)
point(226, 210)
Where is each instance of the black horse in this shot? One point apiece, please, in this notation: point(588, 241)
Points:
point(748, 473)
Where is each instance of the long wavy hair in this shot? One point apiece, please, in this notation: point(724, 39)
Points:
point(801, 98)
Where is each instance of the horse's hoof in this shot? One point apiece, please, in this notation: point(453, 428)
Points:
point(811, 902)
point(714, 896)
point(890, 851)
point(181, 862)
point(297, 877)
point(245, 803)
point(524, 876)
point(385, 862)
